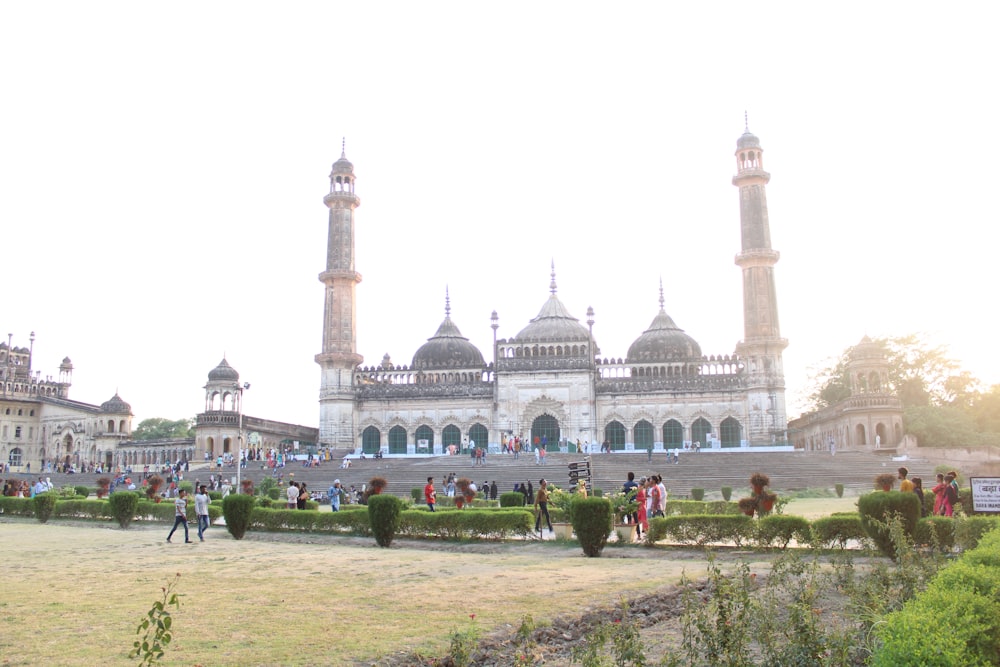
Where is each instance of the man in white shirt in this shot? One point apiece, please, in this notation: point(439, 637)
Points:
point(201, 501)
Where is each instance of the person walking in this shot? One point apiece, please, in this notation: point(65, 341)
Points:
point(334, 494)
point(542, 506)
point(201, 502)
point(430, 495)
point(180, 516)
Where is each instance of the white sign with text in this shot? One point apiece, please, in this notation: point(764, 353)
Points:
point(985, 494)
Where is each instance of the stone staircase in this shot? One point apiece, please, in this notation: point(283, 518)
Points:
point(708, 470)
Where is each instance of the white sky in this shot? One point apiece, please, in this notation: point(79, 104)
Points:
point(163, 167)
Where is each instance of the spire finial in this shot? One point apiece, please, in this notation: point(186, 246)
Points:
point(343, 148)
point(746, 122)
point(447, 302)
point(661, 293)
point(552, 285)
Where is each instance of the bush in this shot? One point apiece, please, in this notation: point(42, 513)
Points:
point(237, 508)
point(384, 514)
point(701, 529)
point(936, 531)
point(727, 493)
point(956, 621)
point(512, 499)
point(82, 491)
point(700, 507)
point(971, 529)
point(592, 523)
point(876, 508)
point(837, 529)
point(698, 494)
point(417, 494)
point(186, 485)
point(839, 488)
point(467, 524)
point(44, 504)
point(123, 505)
point(779, 529)
point(273, 493)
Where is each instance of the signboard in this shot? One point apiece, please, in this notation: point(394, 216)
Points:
point(985, 494)
point(423, 443)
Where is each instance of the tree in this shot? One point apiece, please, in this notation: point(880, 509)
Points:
point(158, 428)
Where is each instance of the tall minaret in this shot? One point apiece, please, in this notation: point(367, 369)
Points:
point(762, 343)
point(339, 358)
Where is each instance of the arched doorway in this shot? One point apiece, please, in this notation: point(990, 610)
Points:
point(614, 435)
point(882, 434)
point(452, 436)
point(643, 434)
point(545, 431)
point(371, 440)
point(700, 430)
point(397, 440)
point(425, 432)
point(860, 435)
point(673, 434)
point(730, 432)
point(479, 435)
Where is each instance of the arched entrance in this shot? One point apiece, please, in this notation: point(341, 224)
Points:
point(371, 440)
point(479, 435)
point(397, 440)
point(700, 430)
point(643, 434)
point(452, 436)
point(673, 434)
point(545, 431)
point(614, 435)
point(860, 435)
point(730, 432)
point(425, 432)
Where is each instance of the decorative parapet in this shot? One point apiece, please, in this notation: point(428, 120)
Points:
point(374, 392)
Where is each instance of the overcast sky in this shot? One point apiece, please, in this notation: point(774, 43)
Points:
point(163, 168)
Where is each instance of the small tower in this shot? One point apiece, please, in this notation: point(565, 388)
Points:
point(762, 343)
point(339, 358)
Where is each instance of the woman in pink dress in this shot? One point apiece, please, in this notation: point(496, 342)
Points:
point(641, 524)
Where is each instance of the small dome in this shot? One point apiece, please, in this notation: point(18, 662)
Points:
point(748, 140)
point(447, 348)
point(223, 372)
point(663, 341)
point(343, 165)
point(553, 322)
point(116, 406)
point(66, 364)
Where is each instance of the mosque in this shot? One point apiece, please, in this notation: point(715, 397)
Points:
point(549, 384)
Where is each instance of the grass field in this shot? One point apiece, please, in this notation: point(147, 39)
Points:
point(74, 593)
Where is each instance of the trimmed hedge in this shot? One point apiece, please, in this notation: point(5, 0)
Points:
point(45, 504)
point(956, 621)
point(779, 529)
point(876, 508)
point(701, 529)
point(970, 530)
point(512, 499)
point(384, 512)
point(237, 508)
point(495, 524)
point(82, 491)
point(837, 529)
point(684, 507)
point(593, 521)
point(936, 531)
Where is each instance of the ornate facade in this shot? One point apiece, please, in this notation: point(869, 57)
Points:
point(870, 418)
point(549, 382)
point(40, 424)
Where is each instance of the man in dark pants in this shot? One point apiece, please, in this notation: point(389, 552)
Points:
point(180, 516)
point(542, 505)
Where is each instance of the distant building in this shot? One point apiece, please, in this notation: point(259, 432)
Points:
point(870, 418)
point(548, 382)
point(40, 424)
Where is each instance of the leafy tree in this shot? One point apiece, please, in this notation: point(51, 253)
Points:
point(158, 428)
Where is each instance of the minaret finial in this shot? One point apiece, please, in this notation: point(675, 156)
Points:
point(552, 285)
point(447, 302)
point(746, 122)
point(661, 293)
point(343, 148)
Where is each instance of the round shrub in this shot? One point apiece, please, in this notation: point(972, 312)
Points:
point(236, 509)
point(697, 494)
point(45, 504)
point(727, 493)
point(877, 508)
point(512, 499)
point(123, 506)
point(592, 523)
point(417, 494)
point(82, 491)
point(384, 514)
point(274, 493)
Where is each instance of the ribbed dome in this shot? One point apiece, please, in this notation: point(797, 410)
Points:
point(748, 140)
point(343, 165)
point(663, 341)
point(553, 322)
point(115, 405)
point(223, 372)
point(447, 348)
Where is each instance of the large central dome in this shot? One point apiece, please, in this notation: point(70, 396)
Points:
point(663, 341)
point(447, 348)
point(553, 322)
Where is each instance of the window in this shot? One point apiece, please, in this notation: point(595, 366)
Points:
point(15, 457)
point(17, 432)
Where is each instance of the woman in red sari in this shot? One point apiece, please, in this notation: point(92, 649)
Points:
point(642, 522)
